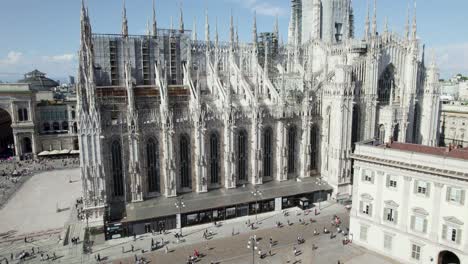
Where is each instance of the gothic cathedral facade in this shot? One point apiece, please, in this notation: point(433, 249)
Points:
point(165, 113)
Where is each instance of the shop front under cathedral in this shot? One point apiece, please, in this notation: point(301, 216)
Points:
point(166, 115)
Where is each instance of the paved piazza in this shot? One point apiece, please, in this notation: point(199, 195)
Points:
point(36, 211)
point(33, 207)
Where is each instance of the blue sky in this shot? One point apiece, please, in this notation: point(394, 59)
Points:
point(44, 34)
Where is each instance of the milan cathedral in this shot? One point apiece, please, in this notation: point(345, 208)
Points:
point(166, 113)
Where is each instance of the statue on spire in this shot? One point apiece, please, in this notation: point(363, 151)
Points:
point(155, 25)
point(124, 21)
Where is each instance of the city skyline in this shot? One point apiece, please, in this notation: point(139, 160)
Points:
point(53, 48)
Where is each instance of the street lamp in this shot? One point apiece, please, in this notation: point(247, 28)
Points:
point(256, 193)
point(179, 204)
point(320, 183)
point(252, 244)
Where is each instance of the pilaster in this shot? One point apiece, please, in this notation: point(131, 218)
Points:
point(435, 214)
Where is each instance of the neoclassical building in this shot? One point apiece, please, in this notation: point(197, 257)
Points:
point(167, 114)
point(33, 122)
point(409, 201)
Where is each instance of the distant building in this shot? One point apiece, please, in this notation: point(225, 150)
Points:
point(33, 121)
point(409, 202)
point(454, 125)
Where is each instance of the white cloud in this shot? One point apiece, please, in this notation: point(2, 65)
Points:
point(452, 59)
point(13, 57)
point(15, 64)
point(60, 58)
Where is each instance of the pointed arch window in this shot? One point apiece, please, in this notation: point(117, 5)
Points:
point(267, 152)
point(242, 155)
point(152, 156)
point(355, 126)
point(386, 85)
point(117, 170)
point(314, 147)
point(185, 180)
point(416, 123)
point(214, 158)
point(292, 131)
point(396, 132)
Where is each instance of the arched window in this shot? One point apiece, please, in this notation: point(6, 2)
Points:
point(65, 125)
point(381, 135)
point(396, 132)
point(20, 114)
point(25, 114)
point(292, 131)
point(314, 147)
point(185, 180)
point(73, 114)
point(56, 126)
point(416, 124)
point(386, 84)
point(242, 155)
point(267, 152)
point(46, 127)
point(152, 156)
point(117, 171)
point(214, 158)
point(355, 126)
point(75, 128)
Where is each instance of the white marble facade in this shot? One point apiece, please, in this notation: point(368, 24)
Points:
point(221, 114)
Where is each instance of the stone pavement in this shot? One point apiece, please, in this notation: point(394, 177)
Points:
point(34, 207)
point(223, 247)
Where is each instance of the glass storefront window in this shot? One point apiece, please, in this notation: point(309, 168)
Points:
point(230, 212)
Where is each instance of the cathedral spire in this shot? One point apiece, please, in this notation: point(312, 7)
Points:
point(231, 31)
point(367, 26)
point(407, 26)
point(216, 33)
point(194, 32)
point(148, 28)
point(181, 19)
point(276, 28)
point(124, 21)
point(237, 31)
point(374, 20)
point(254, 29)
point(155, 25)
point(386, 25)
point(207, 28)
point(415, 25)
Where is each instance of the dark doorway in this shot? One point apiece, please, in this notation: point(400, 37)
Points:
point(447, 257)
point(7, 144)
point(27, 145)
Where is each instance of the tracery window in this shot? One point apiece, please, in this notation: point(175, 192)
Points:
point(267, 152)
point(292, 131)
point(185, 180)
point(314, 147)
point(242, 155)
point(214, 158)
point(117, 170)
point(386, 84)
point(152, 155)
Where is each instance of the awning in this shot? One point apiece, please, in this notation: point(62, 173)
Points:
point(44, 153)
point(75, 152)
point(64, 151)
